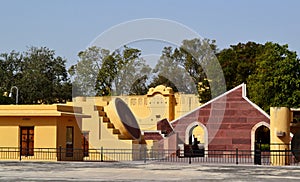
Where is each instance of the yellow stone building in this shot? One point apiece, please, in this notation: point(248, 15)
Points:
point(34, 129)
point(104, 128)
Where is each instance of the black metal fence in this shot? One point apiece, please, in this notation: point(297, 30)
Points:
point(275, 157)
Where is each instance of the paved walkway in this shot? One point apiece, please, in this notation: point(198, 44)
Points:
point(95, 171)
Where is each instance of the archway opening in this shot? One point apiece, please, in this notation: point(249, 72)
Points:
point(195, 141)
point(196, 135)
point(262, 138)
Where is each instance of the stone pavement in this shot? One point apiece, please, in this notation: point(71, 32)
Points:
point(138, 171)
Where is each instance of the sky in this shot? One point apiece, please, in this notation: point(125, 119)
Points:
point(69, 26)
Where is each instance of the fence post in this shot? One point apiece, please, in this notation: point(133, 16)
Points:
point(145, 155)
point(101, 154)
point(190, 156)
point(20, 153)
point(286, 157)
point(60, 153)
point(236, 156)
point(257, 157)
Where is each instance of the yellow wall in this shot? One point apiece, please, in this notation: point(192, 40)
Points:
point(185, 103)
point(9, 136)
point(280, 128)
point(99, 134)
point(44, 136)
point(279, 134)
point(62, 124)
point(44, 131)
point(49, 132)
point(92, 125)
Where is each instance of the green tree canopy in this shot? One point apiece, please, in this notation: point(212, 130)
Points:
point(99, 72)
point(40, 76)
point(239, 62)
point(276, 79)
point(10, 69)
point(123, 72)
point(84, 73)
point(170, 72)
point(270, 70)
point(183, 68)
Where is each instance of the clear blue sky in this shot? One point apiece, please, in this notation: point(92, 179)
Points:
point(68, 26)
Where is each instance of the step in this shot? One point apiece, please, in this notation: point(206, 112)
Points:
point(110, 125)
point(98, 108)
point(116, 131)
point(106, 120)
point(101, 113)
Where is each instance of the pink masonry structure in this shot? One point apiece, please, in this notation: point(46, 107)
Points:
point(228, 121)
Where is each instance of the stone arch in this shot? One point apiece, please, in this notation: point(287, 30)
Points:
point(253, 130)
point(190, 129)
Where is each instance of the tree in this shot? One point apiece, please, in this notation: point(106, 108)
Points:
point(10, 69)
point(161, 80)
point(40, 76)
point(276, 80)
point(44, 77)
point(84, 73)
point(239, 62)
point(139, 86)
point(106, 76)
point(123, 73)
point(170, 72)
point(201, 63)
point(270, 70)
point(185, 67)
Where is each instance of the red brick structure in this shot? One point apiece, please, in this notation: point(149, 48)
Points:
point(164, 126)
point(229, 121)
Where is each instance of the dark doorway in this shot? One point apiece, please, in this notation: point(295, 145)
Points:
point(262, 143)
point(262, 138)
point(85, 143)
point(69, 141)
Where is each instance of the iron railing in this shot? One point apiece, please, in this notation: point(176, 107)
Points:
point(283, 157)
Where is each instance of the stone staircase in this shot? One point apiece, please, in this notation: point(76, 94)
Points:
point(109, 124)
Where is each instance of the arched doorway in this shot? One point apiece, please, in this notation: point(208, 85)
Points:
point(262, 138)
point(256, 136)
point(196, 132)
